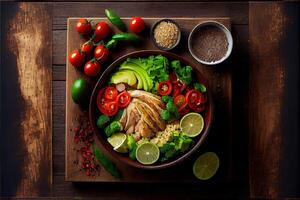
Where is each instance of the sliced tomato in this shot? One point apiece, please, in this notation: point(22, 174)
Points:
point(184, 109)
point(164, 88)
point(179, 100)
point(173, 77)
point(111, 108)
point(203, 98)
point(123, 99)
point(199, 108)
point(178, 88)
point(101, 100)
point(111, 93)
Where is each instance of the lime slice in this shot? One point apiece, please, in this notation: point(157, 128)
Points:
point(206, 166)
point(147, 153)
point(118, 141)
point(192, 124)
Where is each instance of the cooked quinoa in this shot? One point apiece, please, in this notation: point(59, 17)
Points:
point(166, 34)
point(164, 136)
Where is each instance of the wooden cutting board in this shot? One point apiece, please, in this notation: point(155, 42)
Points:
point(219, 139)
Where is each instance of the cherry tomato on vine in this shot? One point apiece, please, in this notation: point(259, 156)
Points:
point(83, 26)
point(76, 58)
point(101, 53)
point(92, 68)
point(123, 99)
point(102, 30)
point(137, 25)
point(164, 88)
point(111, 93)
point(87, 47)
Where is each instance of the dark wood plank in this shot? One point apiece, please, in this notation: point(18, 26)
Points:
point(27, 115)
point(237, 12)
point(267, 29)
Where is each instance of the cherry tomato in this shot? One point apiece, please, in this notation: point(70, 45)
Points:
point(179, 100)
point(164, 88)
point(92, 68)
point(111, 93)
point(184, 109)
point(137, 25)
point(76, 58)
point(178, 88)
point(173, 77)
point(111, 108)
point(123, 99)
point(102, 30)
point(101, 53)
point(101, 100)
point(87, 47)
point(193, 98)
point(203, 98)
point(83, 26)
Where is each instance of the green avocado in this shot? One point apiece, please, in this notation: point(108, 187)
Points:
point(124, 76)
point(141, 74)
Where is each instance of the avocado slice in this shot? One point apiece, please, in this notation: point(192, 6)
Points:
point(142, 83)
point(124, 76)
point(147, 82)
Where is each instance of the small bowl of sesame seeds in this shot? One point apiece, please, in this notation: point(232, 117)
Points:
point(165, 34)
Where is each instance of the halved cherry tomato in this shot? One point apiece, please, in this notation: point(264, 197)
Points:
point(111, 93)
point(179, 101)
point(101, 100)
point(178, 88)
point(203, 98)
point(111, 108)
point(164, 88)
point(184, 109)
point(123, 99)
point(193, 98)
point(173, 77)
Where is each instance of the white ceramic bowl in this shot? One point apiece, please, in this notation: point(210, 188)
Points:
point(218, 25)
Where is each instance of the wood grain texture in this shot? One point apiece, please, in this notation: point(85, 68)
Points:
point(29, 41)
point(237, 12)
point(220, 84)
point(267, 79)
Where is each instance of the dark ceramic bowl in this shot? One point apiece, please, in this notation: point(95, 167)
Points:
point(94, 113)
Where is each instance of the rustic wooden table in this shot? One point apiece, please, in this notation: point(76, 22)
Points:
point(265, 71)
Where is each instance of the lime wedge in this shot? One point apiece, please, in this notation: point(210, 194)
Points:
point(192, 124)
point(147, 153)
point(206, 166)
point(119, 143)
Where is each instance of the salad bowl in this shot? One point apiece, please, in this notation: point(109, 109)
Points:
point(94, 112)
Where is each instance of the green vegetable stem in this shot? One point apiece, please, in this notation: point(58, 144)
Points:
point(111, 44)
point(126, 37)
point(105, 162)
point(200, 87)
point(115, 19)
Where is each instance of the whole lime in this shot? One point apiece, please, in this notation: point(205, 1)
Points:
point(80, 91)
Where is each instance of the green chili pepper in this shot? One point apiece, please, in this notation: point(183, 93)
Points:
point(126, 37)
point(105, 162)
point(111, 44)
point(115, 19)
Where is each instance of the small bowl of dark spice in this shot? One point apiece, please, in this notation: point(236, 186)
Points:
point(165, 34)
point(210, 43)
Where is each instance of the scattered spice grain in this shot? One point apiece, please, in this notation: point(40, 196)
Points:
point(209, 43)
point(166, 34)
